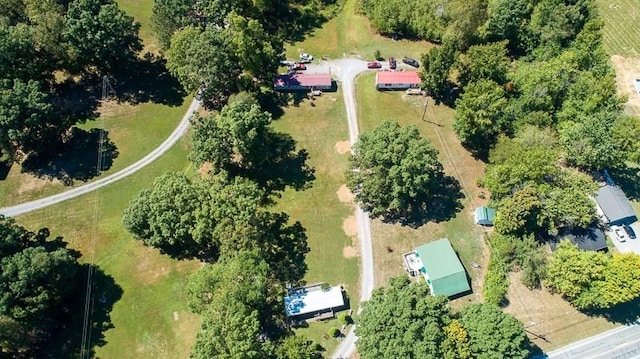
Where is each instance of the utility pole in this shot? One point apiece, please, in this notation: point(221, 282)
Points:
point(426, 102)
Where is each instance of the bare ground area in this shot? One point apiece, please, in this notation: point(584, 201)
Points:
point(551, 322)
point(343, 147)
point(344, 194)
point(627, 70)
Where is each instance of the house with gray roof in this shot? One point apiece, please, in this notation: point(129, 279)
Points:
point(614, 207)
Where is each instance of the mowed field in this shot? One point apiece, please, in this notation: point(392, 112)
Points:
point(392, 240)
point(621, 34)
point(325, 209)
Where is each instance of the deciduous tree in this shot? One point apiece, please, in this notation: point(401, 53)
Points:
point(100, 36)
point(393, 170)
point(402, 321)
point(480, 117)
point(493, 333)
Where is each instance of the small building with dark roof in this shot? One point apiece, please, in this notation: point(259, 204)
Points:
point(614, 207)
point(302, 82)
point(441, 268)
point(587, 239)
point(397, 80)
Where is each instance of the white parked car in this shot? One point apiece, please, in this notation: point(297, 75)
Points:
point(305, 58)
point(619, 233)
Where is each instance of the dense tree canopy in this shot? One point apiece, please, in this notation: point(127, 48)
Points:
point(593, 280)
point(393, 170)
point(405, 321)
point(100, 36)
point(402, 321)
point(41, 38)
point(436, 69)
point(480, 115)
point(240, 141)
point(493, 333)
point(37, 277)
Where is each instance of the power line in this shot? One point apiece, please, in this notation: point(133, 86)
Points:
point(85, 345)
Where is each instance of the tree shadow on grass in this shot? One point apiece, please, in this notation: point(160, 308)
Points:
point(282, 167)
point(302, 21)
point(148, 80)
point(625, 313)
point(440, 206)
point(76, 159)
point(5, 167)
point(105, 292)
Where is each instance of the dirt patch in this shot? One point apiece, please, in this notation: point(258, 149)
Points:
point(350, 226)
point(627, 70)
point(31, 184)
point(343, 147)
point(344, 194)
point(349, 252)
point(205, 168)
point(113, 108)
point(550, 320)
point(176, 316)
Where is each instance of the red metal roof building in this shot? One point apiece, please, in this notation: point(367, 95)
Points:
point(397, 80)
point(297, 82)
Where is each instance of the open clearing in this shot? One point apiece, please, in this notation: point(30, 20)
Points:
point(391, 240)
point(546, 315)
point(144, 323)
point(322, 210)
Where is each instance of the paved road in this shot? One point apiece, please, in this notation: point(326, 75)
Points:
point(346, 70)
point(619, 343)
point(131, 169)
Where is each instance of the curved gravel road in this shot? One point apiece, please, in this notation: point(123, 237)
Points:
point(131, 169)
point(345, 70)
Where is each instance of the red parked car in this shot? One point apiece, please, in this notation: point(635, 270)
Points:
point(298, 67)
point(392, 63)
point(374, 65)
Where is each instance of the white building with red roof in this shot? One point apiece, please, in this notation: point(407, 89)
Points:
point(302, 82)
point(397, 80)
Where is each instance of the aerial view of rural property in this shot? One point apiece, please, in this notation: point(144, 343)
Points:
point(309, 179)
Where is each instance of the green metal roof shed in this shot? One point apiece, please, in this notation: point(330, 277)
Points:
point(484, 216)
point(442, 269)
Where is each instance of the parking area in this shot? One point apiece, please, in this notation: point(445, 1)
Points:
point(629, 245)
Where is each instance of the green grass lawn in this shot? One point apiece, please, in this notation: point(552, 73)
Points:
point(390, 240)
point(135, 131)
point(317, 126)
point(151, 320)
point(141, 11)
point(621, 35)
point(350, 34)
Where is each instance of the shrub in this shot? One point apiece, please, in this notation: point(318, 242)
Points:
point(345, 318)
point(333, 332)
point(496, 283)
point(377, 55)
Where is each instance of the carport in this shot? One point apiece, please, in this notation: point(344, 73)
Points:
point(614, 206)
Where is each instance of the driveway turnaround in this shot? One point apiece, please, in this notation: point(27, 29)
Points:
point(131, 169)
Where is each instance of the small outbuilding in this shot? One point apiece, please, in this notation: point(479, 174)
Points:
point(397, 80)
point(442, 269)
point(484, 216)
point(614, 207)
point(302, 82)
point(313, 302)
point(587, 239)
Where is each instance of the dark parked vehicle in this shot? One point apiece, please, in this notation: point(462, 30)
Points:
point(630, 232)
point(392, 63)
point(411, 62)
point(374, 65)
